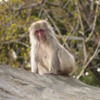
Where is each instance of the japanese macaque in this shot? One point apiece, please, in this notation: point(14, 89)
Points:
point(47, 54)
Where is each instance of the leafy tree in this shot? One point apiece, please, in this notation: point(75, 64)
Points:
point(76, 23)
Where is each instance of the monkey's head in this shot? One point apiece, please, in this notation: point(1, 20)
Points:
point(40, 30)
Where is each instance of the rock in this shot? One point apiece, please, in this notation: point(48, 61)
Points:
point(18, 84)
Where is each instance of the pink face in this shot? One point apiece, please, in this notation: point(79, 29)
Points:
point(40, 34)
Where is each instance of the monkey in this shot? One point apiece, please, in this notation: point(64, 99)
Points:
point(47, 55)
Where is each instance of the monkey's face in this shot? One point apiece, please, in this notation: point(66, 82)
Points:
point(39, 30)
point(40, 35)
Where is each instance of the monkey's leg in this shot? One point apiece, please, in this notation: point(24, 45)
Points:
point(42, 69)
point(67, 62)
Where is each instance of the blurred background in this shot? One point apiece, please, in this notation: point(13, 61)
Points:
point(75, 22)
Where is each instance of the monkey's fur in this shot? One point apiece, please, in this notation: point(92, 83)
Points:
point(48, 56)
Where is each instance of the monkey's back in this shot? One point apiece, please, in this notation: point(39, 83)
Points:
point(66, 60)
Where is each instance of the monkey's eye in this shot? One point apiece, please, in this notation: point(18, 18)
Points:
point(40, 31)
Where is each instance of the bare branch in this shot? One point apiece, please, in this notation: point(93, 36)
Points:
point(85, 53)
point(79, 16)
point(53, 22)
point(94, 24)
point(52, 4)
point(28, 7)
point(84, 67)
point(8, 5)
point(15, 41)
point(66, 4)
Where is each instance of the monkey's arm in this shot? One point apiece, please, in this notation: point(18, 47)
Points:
point(33, 66)
point(33, 62)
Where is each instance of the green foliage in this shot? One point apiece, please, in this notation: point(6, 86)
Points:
point(17, 15)
point(90, 79)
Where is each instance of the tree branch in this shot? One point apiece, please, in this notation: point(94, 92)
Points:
point(94, 24)
point(84, 67)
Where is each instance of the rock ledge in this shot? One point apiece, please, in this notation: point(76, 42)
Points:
point(18, 84)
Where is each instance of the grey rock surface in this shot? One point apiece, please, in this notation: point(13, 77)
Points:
point(18, 84)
